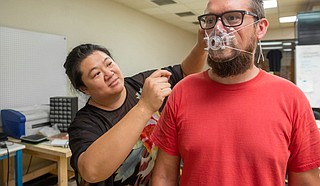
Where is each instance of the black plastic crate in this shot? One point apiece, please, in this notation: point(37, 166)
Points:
point(63, 111)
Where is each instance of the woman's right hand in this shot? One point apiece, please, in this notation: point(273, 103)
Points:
point(156, 87)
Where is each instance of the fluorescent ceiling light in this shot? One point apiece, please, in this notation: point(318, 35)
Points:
point(270, 4)
point(288, 19)
point(287, 44)
point(271, 48)
point(287, 50)
point(270, 43)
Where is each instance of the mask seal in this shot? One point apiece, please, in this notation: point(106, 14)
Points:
point(218, 40)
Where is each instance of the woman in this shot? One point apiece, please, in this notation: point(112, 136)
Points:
point(109, 136)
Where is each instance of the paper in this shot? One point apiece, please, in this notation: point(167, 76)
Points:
point(60, 142)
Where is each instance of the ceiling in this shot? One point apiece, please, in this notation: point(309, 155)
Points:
point(168, 13)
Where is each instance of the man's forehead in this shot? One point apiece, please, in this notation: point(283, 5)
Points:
point(220, 6)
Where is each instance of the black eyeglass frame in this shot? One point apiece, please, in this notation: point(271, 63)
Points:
point(243, 12)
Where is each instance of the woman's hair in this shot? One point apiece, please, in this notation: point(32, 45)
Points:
point(75, 58)
point(257, 8)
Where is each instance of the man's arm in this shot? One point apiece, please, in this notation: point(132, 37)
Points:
point(166, 170)
point(308, 178)
point(197, 58)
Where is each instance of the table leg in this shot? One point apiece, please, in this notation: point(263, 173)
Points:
point(62, 171)
point(18, 167)
point(4, 172)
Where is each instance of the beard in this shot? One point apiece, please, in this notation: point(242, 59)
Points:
point(235, 63)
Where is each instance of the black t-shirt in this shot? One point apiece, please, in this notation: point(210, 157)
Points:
point(91, 122)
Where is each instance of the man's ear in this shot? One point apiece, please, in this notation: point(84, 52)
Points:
point(84, 90)
point(262, 28)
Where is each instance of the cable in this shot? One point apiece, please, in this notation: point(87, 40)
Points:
point(29, 164)
point(4, 145)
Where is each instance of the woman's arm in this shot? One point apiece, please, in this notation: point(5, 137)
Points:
point(108, 152)
point(197, 58)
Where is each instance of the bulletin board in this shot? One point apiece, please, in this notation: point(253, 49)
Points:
point(31, 67)
point(308, 72)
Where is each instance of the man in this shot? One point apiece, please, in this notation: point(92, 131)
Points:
point(235, 124)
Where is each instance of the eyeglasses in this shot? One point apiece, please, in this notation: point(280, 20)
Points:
point(229, 19)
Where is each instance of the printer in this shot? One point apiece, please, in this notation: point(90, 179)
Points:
point(25, 121)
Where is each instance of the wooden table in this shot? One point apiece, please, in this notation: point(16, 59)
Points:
point(15, 150)
point(59, 156)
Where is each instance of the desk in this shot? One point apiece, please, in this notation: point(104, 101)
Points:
point(16, 150)
point(57, 154)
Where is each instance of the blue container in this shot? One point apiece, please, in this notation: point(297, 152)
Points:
point(13, 123)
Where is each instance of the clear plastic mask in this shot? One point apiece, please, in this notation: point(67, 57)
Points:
point(224, 38)
point(219, 39)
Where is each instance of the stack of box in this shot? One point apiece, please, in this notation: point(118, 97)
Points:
point(63, 111)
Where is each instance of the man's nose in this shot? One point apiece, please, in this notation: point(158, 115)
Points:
point(219, 25)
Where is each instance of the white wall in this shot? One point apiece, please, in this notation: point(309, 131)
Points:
point(280, 34)
point(137, 41)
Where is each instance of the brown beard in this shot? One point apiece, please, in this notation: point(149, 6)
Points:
point(236, 65)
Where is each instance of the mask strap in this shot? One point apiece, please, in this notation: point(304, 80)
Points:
point(238, 49)
point(241, 28)
point(228, 34)
point(206, 38)
point(260, 52)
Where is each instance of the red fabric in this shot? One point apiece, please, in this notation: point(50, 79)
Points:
point(241, 134)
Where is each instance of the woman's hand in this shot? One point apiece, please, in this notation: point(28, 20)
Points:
point(156, 87)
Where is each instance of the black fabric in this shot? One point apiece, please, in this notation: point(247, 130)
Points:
point(316, 115)
point(274, 57)
point(92, 122)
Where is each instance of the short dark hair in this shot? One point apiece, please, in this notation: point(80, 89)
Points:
point(75, 58)
point(257, 8)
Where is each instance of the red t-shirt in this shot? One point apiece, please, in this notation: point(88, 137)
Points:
point(239, 134)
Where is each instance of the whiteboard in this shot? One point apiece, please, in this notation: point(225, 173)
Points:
point(308, 72)
point(31, 67)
